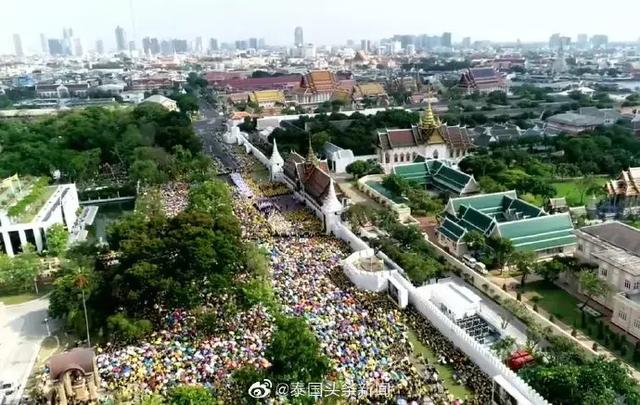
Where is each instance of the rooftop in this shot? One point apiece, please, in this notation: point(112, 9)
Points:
point(22, 198)
point(617, 234)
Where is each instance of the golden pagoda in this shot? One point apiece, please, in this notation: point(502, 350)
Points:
point(430, 125)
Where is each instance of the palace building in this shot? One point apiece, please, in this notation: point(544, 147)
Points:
point(503, 214)
point(624, 192)
point(430, 139)
point(316, 87)
point(483, 80)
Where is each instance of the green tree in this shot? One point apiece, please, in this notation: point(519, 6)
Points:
point(57, 239)
point(551, 270)
point(504, 347)
point(358, 169)
point(191, 395)
point(592, 286)
point(294, 353)
point(525, 263)
point(475, 241)
point(395, 184)
point(25, 268)
point(501, 249)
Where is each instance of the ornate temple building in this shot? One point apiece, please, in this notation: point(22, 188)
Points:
point(316, 87)
point(624, 192)
point(483, 80)
point(310, 181)
point(430, 139)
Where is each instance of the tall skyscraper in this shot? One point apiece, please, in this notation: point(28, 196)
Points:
point(77, 47)
point(365, 45)
point(132, 46)
point(55, 47)
point(555, 41)
point(253, 43)
point(180, 45)
point(166, 47)
point(17, 45)
point(99, 47)
point(155, 46)
point(466, 42)
point(583, 41)
point(213, 45)
point(262, 43)
point(198, 45)
point(121, 39)
point(446, 40)
point(146, 45)
point(298, 37)
point(67, 41)
point(43, 44)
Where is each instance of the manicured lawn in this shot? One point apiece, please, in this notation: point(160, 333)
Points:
point(445, 373)
point(554, 300)
point(571, 191)
point(11, 297)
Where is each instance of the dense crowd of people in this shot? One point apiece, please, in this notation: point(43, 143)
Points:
point(174, 198)
point(178, 354)
point(363, 334)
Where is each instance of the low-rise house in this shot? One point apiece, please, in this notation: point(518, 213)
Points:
point(571, 123)
point(166, 102)
point(615, 248)
point(503, 214)
point(609, 116)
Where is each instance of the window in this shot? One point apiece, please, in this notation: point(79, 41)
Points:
point(435, 154)
point(450, 153)
point(627, 284)
point(622, 315)
point(603, 272)
point(636, 285)
point(636, 324)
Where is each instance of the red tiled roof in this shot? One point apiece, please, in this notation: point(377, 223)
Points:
point(260, 83)
point(319, 81)
point(400, 138)
point(457, 137)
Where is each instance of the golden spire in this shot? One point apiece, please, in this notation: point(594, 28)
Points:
point(429, 120)
point(311, 156)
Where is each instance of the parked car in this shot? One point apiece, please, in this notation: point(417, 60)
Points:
point(480, 268)
point(469, 260)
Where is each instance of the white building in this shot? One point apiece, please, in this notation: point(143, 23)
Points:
point(21, 224)
point(615, 248)
point(166, 102)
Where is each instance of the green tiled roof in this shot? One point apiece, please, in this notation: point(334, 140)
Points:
point(471, 218)
point(524, 209)
point(489, 203)
point(435, 173)
point(452, 230)
point(543, 232)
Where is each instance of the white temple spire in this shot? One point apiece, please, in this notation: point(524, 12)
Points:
point(331, 202)
point(276, 159)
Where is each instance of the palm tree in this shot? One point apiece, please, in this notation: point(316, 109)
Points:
point(81, 281)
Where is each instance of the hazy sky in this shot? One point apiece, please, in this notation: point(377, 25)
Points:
point(324, 21)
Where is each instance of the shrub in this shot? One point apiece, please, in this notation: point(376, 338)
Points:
point(504, 287)
point(535, 307)
point(595, 347)
point(485, 286)
point(574, 332)
point(551, 318)
point(519, 297)
point(623, 350)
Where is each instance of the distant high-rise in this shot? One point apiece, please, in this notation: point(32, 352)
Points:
point(198, 45)
point(17, 45)
point(599, 41)
point(350, 43)
point(43, 44)
point(166, 47)
point(155, 46)
point(146, 45)
point(365, 45)
point(253, 43)
point(446, 40)
point(67, 41)
point(77, 47)
point(55, 47)
point(213, 45)
point(262, 43)
point(466, 42)
point(555, 41)
point(298, 37)
point(99, 47)
point(121, 39)
point(132, 46)
point(583, 41)
point(180, 45)
point(242, 45)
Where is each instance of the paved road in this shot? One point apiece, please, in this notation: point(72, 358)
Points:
point(21, 333)
point(210, 128)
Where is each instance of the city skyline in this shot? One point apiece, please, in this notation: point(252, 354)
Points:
point(277, 23)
